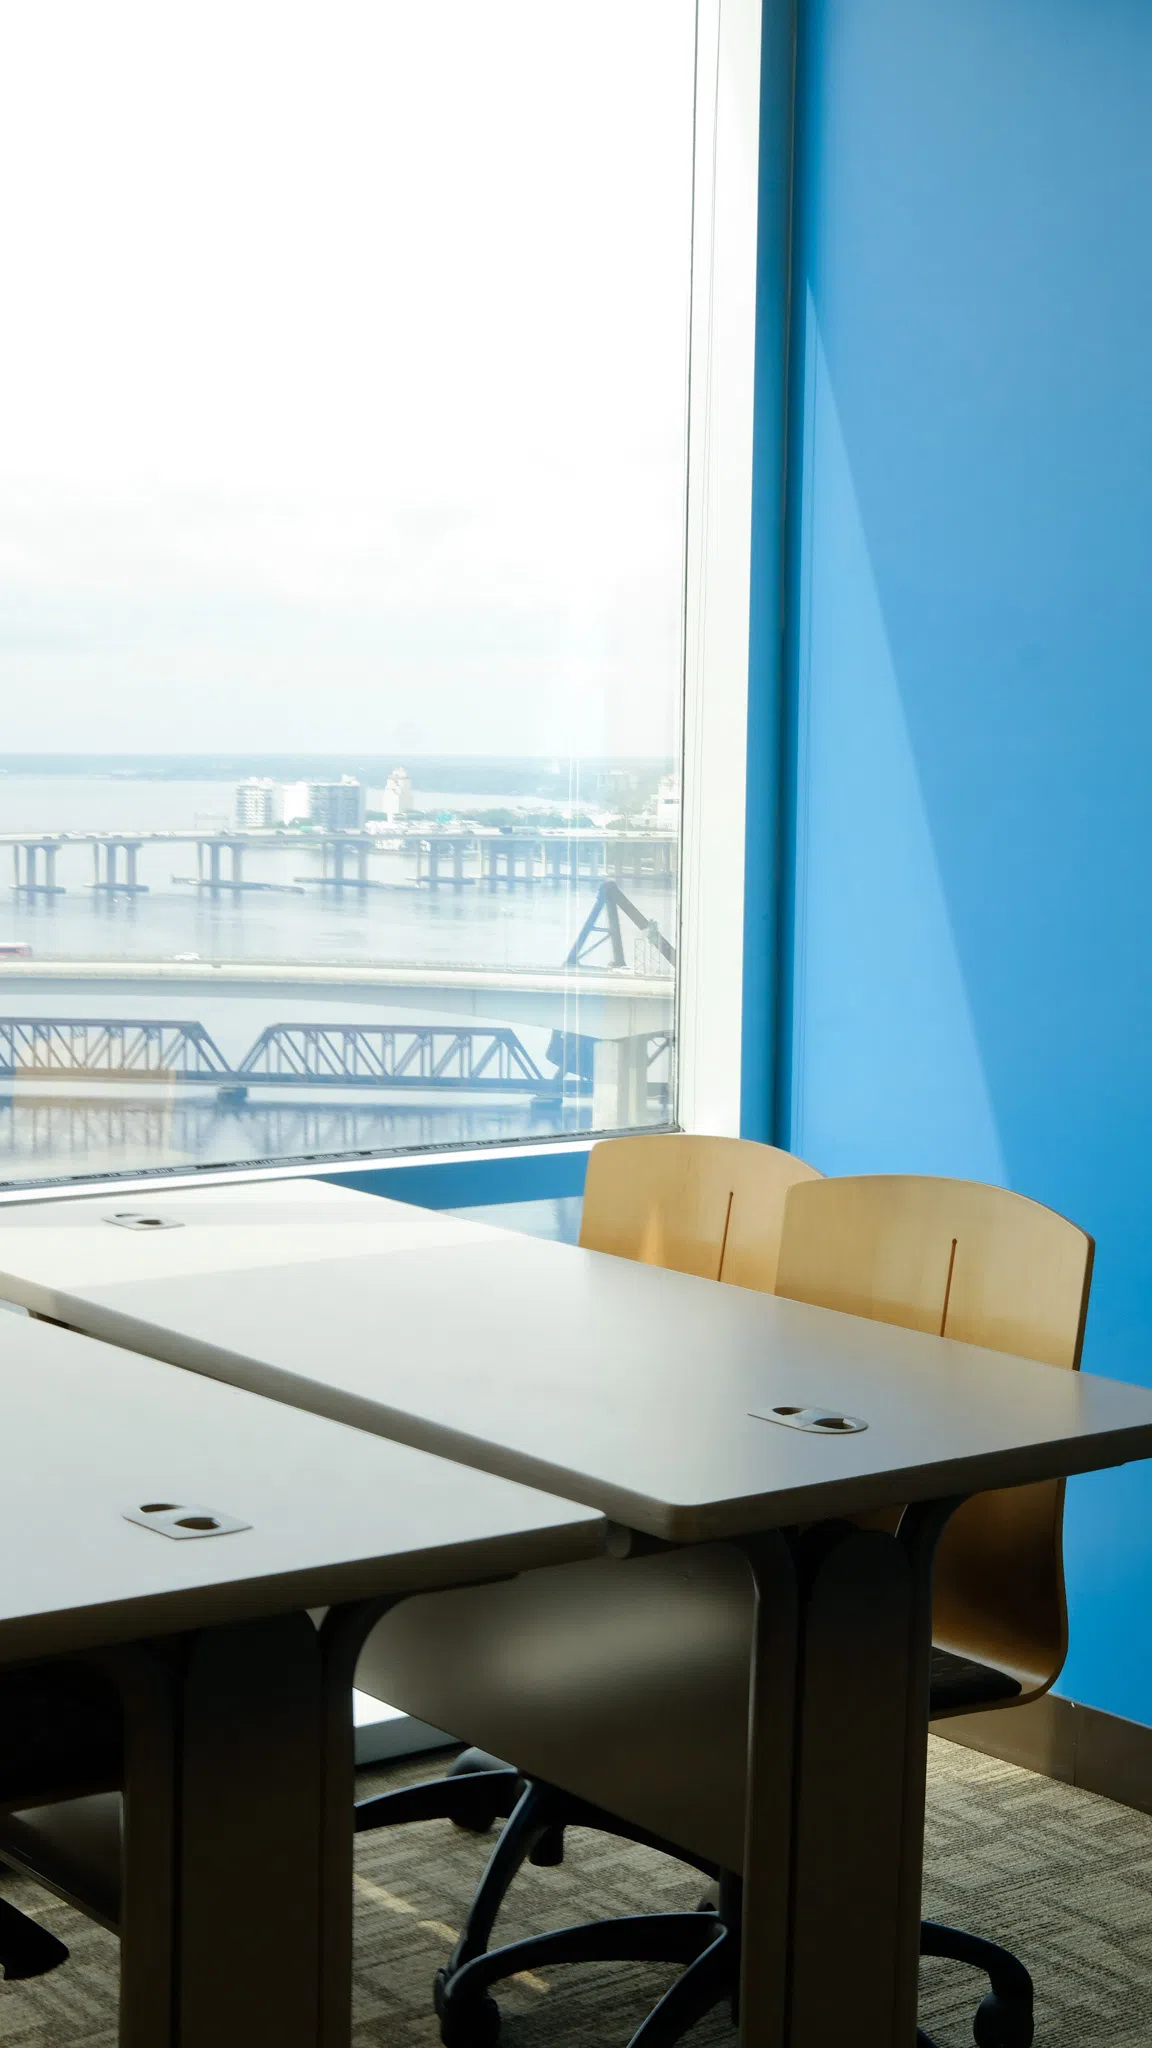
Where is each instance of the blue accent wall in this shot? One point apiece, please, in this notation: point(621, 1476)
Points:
point(765, 793)
point(554, 1173)
point(972, 654)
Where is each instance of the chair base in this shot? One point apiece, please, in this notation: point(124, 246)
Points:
point(1004, 2016)
point(27, 1949)
point(708, 1944)
point(480, 1789)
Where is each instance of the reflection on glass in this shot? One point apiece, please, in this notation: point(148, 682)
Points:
point(343, 397)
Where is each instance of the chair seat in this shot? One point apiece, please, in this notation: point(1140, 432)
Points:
point(60, 1734)
point(74, 1849)
point(625, 1684)
point(960, 1684)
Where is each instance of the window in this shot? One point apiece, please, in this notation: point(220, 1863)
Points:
point(345, 492)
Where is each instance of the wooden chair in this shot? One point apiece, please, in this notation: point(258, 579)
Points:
point(958, 1259)
point(710, 1206)
point(713, 1207)
point(658, 1737)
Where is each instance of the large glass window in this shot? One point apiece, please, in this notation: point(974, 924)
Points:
point(343, 479)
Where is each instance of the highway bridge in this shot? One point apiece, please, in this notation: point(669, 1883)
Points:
point(443, 857)
point(600, 1001)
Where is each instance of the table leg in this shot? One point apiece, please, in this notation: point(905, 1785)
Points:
point(342, 1637)
point(147, 1888)
point(250, 1836)
point(844, 1876)
point(223, 1837)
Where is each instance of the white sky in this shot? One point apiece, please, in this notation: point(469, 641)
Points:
point(342, 373)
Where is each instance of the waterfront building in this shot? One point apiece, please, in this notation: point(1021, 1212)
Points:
point(668, 805)
point(397, 795)
point(337, 806)
point(294, 804)
point(256, 804)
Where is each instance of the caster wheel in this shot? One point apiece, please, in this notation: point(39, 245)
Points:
point(466, 2022)
point(470, 1760)
point(481, 1820)
point(1001, 2023)
point(477, 1823)
point(549, 1850)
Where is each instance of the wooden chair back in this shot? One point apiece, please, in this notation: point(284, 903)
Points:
point(958, 1259)
point(711, 1206)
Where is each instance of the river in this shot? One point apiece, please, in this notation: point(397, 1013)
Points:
point(98, 1129)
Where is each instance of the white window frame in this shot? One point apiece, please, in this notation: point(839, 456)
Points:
point(710, 967)
point(727, 199)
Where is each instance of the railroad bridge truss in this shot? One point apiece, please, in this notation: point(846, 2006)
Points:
point(387, 1058)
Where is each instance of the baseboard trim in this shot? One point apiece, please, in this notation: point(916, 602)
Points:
point(1061, 1739)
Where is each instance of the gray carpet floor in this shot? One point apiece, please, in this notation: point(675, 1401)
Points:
point(1061, 1876)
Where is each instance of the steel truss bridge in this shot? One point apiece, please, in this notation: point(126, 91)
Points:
point(483, 1059)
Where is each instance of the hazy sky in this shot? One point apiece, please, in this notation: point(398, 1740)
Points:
point(342, 373)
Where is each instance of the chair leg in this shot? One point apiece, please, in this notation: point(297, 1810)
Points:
point(532, 1816)
point(469, 2018)
point(27, 1949)
point(712, 1976)
point(472, 1799)
point(537, 1824)
point(1004, 2017)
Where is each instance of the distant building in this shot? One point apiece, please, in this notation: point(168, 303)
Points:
point(261, 803)
point(256, 804)
point(337, 806)
point(397, 795)
point(293, 806)
point(668, 805)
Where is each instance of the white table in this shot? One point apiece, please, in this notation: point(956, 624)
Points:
point(308, 1220)
point(643, 1394)
point(238, 1785)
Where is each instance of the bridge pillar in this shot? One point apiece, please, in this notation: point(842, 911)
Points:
point(237, 853)
point(130, 853)
point(50, 869)
point(214, 867)
point(362, 866)
point(620, 1083)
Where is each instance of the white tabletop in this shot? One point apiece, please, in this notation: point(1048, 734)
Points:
point(210, 1230)
point(637, 1391)
point(89, 1432)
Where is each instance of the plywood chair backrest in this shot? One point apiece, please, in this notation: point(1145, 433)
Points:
point(958, 1259)
point(711, 1206)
